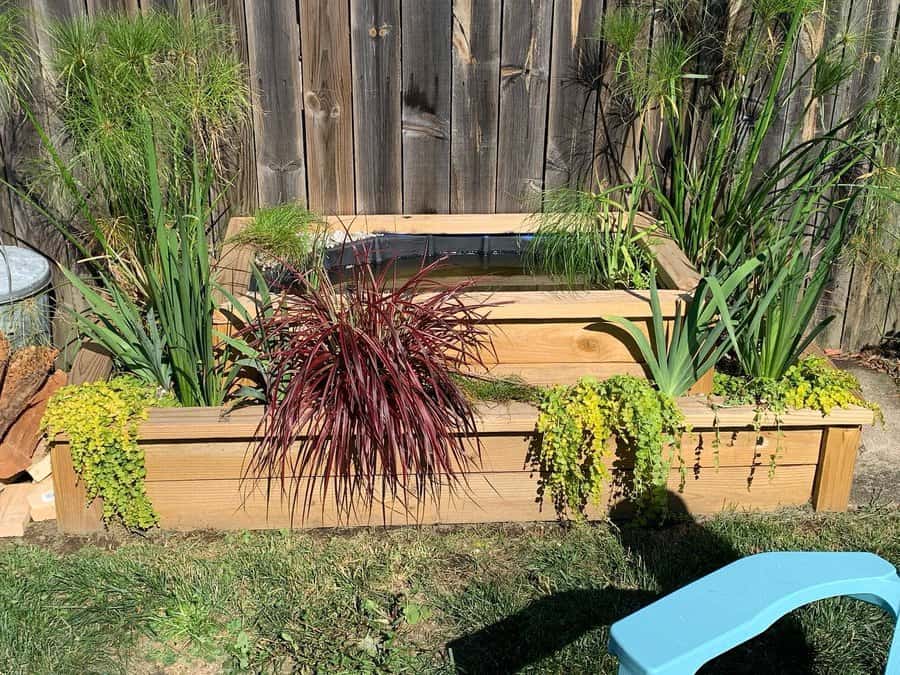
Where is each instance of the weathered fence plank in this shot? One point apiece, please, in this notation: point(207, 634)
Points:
point(891, 327)
point(243, 194)
point(613, 125)
point(273, 40)
point(375, 47)
point(573, 107)
point(20, 146)
point(325, 40)
point(836, 108)
point(524, 74)
point(459, 106)
point(869, 287)
point(426, 106)
point(475, 103)
point(95, 7)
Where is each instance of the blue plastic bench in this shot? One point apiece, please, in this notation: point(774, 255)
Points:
point(680, 632)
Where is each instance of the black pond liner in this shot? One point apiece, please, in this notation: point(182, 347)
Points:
point(497, 261)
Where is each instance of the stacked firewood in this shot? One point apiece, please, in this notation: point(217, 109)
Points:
point(28, 379)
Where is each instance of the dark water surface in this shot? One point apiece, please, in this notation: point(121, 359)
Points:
point(495, 261)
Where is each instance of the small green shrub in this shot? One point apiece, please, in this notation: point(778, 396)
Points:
point(101, 420)
point(575, 426)
point(286, 233)
point(771, 331)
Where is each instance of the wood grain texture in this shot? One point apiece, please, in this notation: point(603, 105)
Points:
point(426, 223)
point(869, 288)
point(19, 142)
point(74, 515)
point(91, 364)
point(179, 7)
point(551, 306)
point(613, 123)
point(244, 423)
point(490, 497)
point(704, 385)
point(892, 317)
point(243, 194)
point(226, 459)
point(524, 77)
point(426, 105)
point(7, 222)
point(800, 123)
point(849, 19)
point(673, 268)
point(54, 10)
point(34, 230)
point(97, 7)
point(546, 374)
point(232, 269)
point(475, 105)
point(700, 414)
point(868, 303)
point(162, 5)
point(375, 46)
point(772, 144)
point(836, 463)
point(328, 109)
point(73, 512)
point(555, 342)
point(572, 108)
point(274, 53)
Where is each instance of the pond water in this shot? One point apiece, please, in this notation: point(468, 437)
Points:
point(495, 261)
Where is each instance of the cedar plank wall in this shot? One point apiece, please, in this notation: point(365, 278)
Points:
point(436, 106)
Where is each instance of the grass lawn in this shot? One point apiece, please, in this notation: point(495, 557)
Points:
point(478, 599)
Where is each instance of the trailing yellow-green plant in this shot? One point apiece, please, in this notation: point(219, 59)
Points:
point(581, 426)
point(810, 383)
point(101, 421)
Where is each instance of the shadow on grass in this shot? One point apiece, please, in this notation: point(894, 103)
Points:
point(674, 557)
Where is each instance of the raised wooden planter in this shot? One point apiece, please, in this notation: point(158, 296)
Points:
point(195, 459)
point(195, 456)
point(545, 337)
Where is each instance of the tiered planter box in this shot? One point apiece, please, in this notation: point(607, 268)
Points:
point(544, 337)
point(196, 456)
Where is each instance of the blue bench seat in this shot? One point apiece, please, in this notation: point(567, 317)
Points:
point(680, 632)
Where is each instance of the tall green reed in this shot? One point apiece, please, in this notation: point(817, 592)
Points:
point(151, 295)
point(708, 102)
point(154, 311)
point(589, 238)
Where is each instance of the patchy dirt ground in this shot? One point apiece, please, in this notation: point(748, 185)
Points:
point(877, 479)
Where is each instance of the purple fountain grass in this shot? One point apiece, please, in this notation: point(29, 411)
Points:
point(364, 406)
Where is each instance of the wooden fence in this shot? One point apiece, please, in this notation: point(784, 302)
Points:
point(445, 106)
